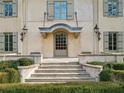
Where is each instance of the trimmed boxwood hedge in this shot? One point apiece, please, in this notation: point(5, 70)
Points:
point(13, 75)
point(24, 62)
point(112, 75)
point(10, 68)
point(109, 65)
point(63, 88)
point(4, 77)
point(118, 75)
point(8, 64)
point(106, 75)
point(96, 63)
point(118, 66)
point(15, 63)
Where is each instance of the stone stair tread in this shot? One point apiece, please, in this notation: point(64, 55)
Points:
point(61, 78)
point(59, 73)
point(60, 63)
point(60, 69)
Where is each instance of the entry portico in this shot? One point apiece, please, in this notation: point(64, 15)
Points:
point(61, 40)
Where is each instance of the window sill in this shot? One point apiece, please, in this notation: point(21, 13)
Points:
point(113, 16)
point(8, 17)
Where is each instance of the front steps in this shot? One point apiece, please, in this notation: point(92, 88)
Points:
point(59, 73)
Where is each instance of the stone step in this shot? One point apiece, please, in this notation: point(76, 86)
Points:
point(60, 60)
point(70, 63)
point(61, 75)
point(59, 66)
point(59, 80)
point(59, 70)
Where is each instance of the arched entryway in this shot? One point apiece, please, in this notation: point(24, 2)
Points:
point(60, 44)
point(61, 40)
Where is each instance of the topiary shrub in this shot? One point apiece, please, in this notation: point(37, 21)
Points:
point(108, 66)
point(4, 77)
point(24, 62)
point(118, 66)
point(106, 75)
point(13, 74)
point(118, 75)
point(8, 64)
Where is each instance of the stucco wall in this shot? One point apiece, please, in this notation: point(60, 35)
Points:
point(114, 24)
point(35, 20)
point(31, 14)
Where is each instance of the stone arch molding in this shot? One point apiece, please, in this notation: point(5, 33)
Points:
point(51, 29)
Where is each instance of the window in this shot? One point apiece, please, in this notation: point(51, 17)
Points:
point(113, 41)
point(8, 42)
point(60, 9)
point(8, 8)
point(113, 8)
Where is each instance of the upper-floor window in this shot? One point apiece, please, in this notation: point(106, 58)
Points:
point(8, 8)
point(60, 9)
point(113, 8)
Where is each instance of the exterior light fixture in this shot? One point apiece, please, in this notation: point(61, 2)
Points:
point(24, 28)
point(23, 33)
point(96, 30)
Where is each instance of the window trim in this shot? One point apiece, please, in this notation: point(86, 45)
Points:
point(61, 13)
point(104, 15)
point(113, 42)
point(8, 47)
point(13, 43)
point(117, 41)
point(16, 11)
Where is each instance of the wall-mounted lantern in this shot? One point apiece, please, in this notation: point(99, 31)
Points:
point(96, 30)
point(23, 33)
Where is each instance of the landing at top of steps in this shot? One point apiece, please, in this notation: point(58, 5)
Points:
point(60, 60)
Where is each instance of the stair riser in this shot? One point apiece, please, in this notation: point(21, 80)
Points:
point(85, 75)
point(59, 67)
point(47, 80)
point(60, 64)
point(59, 71)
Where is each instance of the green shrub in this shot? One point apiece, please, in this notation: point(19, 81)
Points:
point(14, 76)
point(96, 63)
point(11, 69)
point(24, 62)
point(3, 77)
point(118, 75)
point(106, 75)
point(108, 66)
point(112, 75)
point(118, 66)
point(15, 63)
point(63, 88)
point(8, 64)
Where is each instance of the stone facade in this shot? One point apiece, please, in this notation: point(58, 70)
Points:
point(32, 15)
